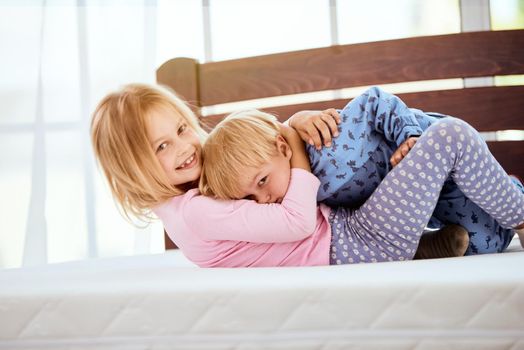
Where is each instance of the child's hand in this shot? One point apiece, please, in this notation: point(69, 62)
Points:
point(316, 126)
point(403, 150)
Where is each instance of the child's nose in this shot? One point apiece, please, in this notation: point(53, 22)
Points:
point(181, 149)
point(263, 198)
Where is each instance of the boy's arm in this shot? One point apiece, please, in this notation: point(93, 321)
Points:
point(389, 115)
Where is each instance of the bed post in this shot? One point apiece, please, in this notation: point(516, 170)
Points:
point(168, 243)
point(182, 75)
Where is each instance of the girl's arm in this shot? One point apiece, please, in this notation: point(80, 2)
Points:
point(245, 220)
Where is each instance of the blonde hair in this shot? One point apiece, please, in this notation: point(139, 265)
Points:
point(121, 145)
point(243, 139)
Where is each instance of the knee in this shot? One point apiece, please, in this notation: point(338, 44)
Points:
point(452, 129)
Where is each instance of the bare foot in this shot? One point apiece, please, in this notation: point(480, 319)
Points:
point(449, 241)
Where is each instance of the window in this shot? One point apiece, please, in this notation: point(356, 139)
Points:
point(372, 20)
point(257, 27)
point(507, 14)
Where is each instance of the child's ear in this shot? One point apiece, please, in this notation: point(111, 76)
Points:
point(283, 147)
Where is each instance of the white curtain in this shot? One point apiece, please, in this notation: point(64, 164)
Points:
point(57, 59)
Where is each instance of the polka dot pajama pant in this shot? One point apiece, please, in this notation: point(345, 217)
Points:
point(388, 226)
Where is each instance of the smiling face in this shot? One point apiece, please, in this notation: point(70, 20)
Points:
point(269, 182)
point(176, 146)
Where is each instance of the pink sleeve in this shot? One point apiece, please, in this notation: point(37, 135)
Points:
point(246, 220)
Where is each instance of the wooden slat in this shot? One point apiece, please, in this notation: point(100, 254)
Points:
point(486, 108)
point(423, 58)
point(510, 154)
point(181, 75)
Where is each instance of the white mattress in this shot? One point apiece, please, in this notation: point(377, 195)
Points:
point(163, 302)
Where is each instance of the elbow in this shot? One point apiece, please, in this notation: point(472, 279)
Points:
point(301, 220)
point(306, 227)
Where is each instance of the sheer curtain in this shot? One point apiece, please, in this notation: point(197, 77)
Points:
point(58, 59)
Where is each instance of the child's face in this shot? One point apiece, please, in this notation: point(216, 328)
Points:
point(176, 146)
point(269, 182)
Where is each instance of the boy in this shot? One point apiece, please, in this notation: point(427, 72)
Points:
point(256, 166)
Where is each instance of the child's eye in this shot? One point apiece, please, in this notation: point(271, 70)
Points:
point(262, 181)
point(161, 147)
point(182, 128)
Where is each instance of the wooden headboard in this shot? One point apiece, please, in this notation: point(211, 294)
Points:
point(462, 55)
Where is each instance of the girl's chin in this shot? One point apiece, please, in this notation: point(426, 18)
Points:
point(188, 185)
point(192, 183)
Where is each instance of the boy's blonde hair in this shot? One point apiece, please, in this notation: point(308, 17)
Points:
point(243, 139)
point(121, 145)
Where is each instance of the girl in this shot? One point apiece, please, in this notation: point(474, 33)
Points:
point(149, 146)
point(389, 224)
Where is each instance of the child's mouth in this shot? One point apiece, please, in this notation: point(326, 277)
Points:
point(189, 163)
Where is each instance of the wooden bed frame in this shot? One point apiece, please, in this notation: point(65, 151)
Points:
point(462, 55)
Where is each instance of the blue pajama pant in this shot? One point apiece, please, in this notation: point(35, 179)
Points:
point(388, 226)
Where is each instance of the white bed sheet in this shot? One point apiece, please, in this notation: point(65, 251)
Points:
point(164, 302)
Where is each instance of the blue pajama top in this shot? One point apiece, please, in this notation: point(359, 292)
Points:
point(373, 125)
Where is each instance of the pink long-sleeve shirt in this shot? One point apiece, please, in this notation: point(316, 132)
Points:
point(243, 233)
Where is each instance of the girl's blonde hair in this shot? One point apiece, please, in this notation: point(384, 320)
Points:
point(243, 139)
point(121, 145)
